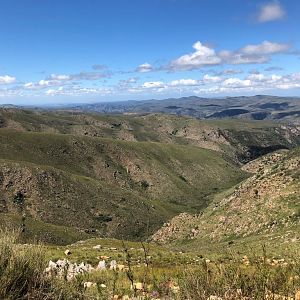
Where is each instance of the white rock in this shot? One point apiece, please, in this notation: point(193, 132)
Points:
point(101, 265)
point(113, 265)
point(89, 284)
point(68, 252)
point(97, 247)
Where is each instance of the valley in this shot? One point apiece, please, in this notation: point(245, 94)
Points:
point(169, 198)
point(100, 174)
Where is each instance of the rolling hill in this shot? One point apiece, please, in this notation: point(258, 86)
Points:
point(121, 176)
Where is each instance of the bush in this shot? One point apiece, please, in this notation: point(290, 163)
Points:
point(21, 267)
point(22, 273)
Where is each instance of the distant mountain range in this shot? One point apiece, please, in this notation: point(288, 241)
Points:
point(260, 107)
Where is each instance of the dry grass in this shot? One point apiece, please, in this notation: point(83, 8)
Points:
point(22, 277)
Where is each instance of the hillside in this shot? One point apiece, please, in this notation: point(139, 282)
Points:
point(239, 139)
point(101, 175)
point(263, 209)
point(107, 186)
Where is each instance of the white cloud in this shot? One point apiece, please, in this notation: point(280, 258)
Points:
point(55, 80)
point(275, 77)
point(52, 92)
point(46, 82)
point(208, 84)
point(7, 79)
point(211, 79)
point(250, 54)
point(217, 85)
point(254, 53)
point(236, 83)
point(144, 68)
point(271, 12)
point(184, 82)
point(254, 82)
point(60, 77)
point(42, 84)
point(202, 56)
point(257, 77)
point(237, 58)
point(265, 48)
point(78, 91)
point(153, 84)
point(28, 85)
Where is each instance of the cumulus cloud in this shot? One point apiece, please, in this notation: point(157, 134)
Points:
point(208, 84)
point(271, 12)
point(153, 84)
point(7, 79)
point(42, 84)
point(207, 79)
point(211, 79)
point(257, 77)
point(64, 79)
point(253, 82)
point(184, 82)
point(144, 68)
point(78, 91)
point(265, 48)
point(239, 58)
point(236, 83)
point(217, 85)
point(204, 56)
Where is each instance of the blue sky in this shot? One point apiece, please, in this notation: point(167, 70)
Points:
point(87, 51)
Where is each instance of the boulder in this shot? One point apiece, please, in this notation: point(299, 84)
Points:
point(68, 252)
point(97, 247)
point(113, 265)
point(89, 284)
point(101, 265)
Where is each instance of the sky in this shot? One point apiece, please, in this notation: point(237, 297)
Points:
point(77, 51)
